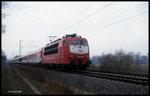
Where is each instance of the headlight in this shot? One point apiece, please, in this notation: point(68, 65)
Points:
point(87, 56)
point(71, 56)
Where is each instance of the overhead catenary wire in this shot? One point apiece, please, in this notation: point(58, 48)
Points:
point(27, 44)
point(122, 13)
point(114, 16)
point(81, 12)
point(85, 17)
point(117, 22)
point(97, 11)
point(75, 16)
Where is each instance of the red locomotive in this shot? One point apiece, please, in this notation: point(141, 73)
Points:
point(71, 52)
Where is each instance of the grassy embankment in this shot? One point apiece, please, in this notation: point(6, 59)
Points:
point(43, 82)
point(11, 82)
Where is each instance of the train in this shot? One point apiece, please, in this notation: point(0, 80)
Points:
point(70, 52)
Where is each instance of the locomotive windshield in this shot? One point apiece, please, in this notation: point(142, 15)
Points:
point(78, 42)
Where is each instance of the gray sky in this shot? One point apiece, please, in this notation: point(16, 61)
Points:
point(108, 26)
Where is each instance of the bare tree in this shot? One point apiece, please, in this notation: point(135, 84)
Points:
point(3, 27)
point(4, 5)
point(137, 58)
point(120, 61)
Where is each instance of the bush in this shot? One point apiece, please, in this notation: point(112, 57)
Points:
point(120, 61)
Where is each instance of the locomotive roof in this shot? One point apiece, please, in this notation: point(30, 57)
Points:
point(66, 36)
point(59, 40)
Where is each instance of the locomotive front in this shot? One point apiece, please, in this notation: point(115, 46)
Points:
point(79, 52)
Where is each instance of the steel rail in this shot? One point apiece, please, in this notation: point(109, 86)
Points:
point(139, 74)
point(122, 78)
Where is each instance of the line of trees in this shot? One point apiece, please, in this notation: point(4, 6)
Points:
point(120, 60)
point(4, 5)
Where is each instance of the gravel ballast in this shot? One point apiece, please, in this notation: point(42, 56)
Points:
point(90, 84)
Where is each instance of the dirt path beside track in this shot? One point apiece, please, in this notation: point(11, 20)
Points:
point(14, 84)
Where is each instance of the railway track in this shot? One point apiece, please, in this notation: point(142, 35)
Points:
point(139, 74)
point(128, 77)
point(136, 78)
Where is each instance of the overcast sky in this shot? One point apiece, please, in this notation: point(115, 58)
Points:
point(108, 26)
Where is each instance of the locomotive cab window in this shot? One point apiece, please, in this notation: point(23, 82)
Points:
point(78, 42)
point(64, 42)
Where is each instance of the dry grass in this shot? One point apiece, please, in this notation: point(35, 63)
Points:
point(47, 84)
point(141, 68)
point(134, 68)
point(93, 66)
point(144, 68)
point(42, 81)
point(12, 84)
